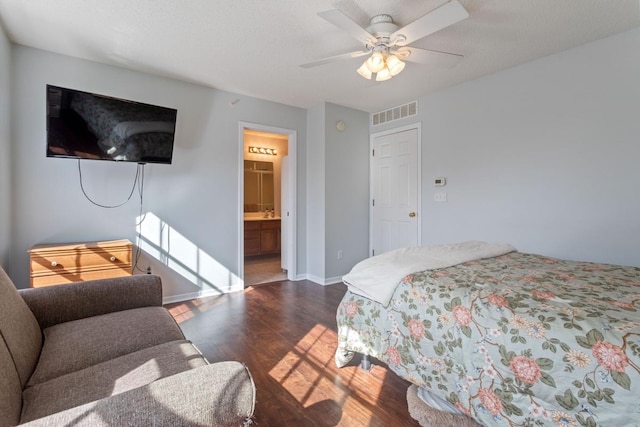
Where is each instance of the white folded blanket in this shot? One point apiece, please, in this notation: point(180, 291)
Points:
point(377, 277)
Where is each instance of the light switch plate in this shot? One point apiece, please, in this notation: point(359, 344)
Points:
point(440, 197)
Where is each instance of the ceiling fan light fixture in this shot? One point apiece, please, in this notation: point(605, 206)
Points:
point(364, 71)
point(389, 46)
point(383, 75)
point(395, 65)
point(375, 63)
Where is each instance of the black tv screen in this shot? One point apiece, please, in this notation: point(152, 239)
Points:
point(83, 125)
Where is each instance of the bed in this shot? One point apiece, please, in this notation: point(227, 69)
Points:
point(508, 338)
point(127, 130)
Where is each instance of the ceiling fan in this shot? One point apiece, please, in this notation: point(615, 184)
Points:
point(388, 45)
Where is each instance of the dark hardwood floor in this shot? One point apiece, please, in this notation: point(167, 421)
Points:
point(285, 333)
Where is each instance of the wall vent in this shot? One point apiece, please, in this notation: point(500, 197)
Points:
point(395, 113)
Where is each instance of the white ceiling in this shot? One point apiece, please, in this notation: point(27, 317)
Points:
point(255, 47)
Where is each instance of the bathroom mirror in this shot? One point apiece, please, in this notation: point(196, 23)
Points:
point(258, 186)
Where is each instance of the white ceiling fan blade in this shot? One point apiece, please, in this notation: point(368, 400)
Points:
point(333, 58)
point(429, 57)
point(442, 17)
point(342, 21)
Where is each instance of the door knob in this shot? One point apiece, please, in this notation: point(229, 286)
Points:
point(412, 214)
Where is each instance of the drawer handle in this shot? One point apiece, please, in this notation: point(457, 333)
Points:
point(112, 258)
point(54, 264)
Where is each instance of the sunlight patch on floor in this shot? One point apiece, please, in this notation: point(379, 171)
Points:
point(308, 370)
point(184, 311)
point(181, 312)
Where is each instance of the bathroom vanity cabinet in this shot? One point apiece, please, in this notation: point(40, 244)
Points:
point(261, 236)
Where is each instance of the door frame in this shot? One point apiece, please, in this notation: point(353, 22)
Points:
point(372, 138)
point(291, 243)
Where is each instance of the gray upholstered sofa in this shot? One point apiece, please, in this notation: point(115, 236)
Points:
point(107, 353)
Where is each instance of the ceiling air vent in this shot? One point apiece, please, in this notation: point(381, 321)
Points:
point(395, 113)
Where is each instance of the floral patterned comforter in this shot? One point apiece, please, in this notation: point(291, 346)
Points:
point(515, 340)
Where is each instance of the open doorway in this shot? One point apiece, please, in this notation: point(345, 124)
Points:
point(267, 183)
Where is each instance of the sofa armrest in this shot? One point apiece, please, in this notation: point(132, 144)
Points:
point(221, 394)
point(63, 303)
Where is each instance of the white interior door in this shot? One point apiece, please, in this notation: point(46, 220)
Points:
point(395, 194)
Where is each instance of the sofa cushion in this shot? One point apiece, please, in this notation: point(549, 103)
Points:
point(76, 345)
point(109, 378)
point(19, 328)
point(220, 394)
point(10, 388)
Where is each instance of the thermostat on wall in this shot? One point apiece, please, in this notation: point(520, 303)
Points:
point(439, 182)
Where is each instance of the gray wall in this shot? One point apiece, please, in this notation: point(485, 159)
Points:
point(337, 191)
point(192, 204)
point(5, 149)
point(544, 155)
point(316, 192)
point(346, 190)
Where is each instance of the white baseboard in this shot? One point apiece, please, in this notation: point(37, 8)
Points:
point(211, 293)
point(194, 295)
point(315, 279)
point(333, 280)
point(323, 282)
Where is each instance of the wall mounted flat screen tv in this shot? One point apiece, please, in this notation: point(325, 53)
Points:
point(83, 125)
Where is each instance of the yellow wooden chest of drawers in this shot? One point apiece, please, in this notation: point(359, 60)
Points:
point(53, 264)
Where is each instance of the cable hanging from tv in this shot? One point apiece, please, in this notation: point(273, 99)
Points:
point(137, 180)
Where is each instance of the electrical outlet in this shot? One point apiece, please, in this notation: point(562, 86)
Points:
point(340, 254)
